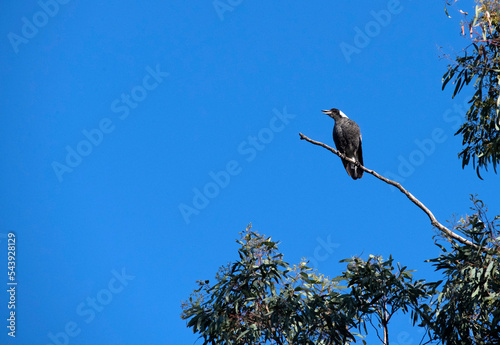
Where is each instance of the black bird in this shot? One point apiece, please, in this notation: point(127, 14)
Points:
point(347, 138)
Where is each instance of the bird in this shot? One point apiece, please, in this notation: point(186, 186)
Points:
point(347, 139)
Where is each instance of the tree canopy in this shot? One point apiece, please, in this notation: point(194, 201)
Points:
point(479, 64)
point(262, 299)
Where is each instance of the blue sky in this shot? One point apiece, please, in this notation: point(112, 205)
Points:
point(117, 116)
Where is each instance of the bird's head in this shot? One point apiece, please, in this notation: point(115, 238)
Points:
point(335, 113)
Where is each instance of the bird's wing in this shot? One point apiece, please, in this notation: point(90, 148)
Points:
point(360, 152)
point(337, 133)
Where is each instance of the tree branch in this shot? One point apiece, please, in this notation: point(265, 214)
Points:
point(410, 196)
point(385, 323)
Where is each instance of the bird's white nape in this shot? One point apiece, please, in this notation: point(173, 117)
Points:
point(342, 114)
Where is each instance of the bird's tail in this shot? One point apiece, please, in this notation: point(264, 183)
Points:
point(352, 169)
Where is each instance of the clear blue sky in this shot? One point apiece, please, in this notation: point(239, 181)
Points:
point(116, 116)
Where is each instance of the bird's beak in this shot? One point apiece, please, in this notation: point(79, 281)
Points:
point(327, 112)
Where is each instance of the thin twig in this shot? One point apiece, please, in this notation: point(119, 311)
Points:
point(376, 330)
point(410, 196)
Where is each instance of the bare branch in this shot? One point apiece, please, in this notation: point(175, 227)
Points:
point(410, 196)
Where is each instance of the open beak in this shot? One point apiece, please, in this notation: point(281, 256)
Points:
point(327, 112)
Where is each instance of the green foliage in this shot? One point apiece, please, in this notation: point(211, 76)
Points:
point(467, 310)
point(480, 64)
point(380, 290)
point(261, 299)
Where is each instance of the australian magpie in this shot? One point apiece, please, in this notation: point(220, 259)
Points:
point(347, 138)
